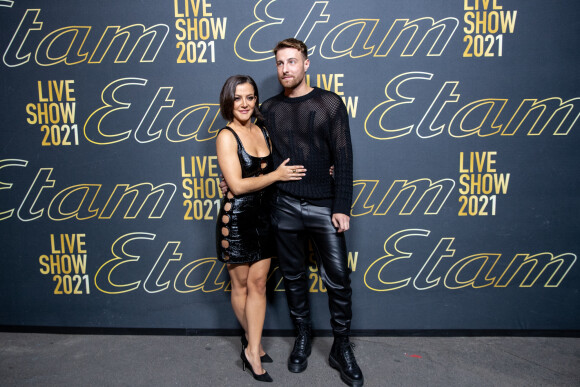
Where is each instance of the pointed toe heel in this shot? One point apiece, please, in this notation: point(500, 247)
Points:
point(265, 358)
point(265, 377)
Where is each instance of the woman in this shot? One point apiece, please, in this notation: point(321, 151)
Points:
point(243, 240)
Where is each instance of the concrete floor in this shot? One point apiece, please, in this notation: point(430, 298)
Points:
point(42, 359)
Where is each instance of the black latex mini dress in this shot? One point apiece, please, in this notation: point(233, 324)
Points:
point(243, 225)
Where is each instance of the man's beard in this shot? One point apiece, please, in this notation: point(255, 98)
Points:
point(293, 84)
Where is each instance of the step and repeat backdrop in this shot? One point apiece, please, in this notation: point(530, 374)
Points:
point(464, 120)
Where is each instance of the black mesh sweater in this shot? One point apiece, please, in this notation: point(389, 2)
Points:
point(313, 130)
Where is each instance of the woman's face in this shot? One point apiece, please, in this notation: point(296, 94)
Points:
point(244, 103)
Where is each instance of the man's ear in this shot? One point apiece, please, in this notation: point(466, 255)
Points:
point(306, 64)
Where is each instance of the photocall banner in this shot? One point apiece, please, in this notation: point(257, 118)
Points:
point(464, 122)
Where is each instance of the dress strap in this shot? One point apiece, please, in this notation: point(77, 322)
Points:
point(267, 137)
point(235, 135)
point(264, 132)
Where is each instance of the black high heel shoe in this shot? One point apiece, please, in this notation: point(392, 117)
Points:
point(264, 358)
point(245, 363)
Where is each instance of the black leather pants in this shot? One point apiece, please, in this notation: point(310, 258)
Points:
point(293, 222)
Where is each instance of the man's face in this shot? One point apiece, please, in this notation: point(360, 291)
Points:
point(291, 67)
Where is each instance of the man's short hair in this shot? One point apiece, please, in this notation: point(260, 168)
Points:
point(292, 43)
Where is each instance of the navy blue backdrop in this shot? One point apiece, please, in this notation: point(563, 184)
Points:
point(464, 124)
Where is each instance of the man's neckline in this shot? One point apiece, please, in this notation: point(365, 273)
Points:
point(301, 97)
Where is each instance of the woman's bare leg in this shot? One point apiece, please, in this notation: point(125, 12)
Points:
point(256, 311)
point(239, 278)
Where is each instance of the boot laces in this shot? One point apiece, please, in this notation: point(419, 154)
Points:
point(347, 350)
point(303, 336)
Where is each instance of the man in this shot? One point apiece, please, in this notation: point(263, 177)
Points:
point(310, 126)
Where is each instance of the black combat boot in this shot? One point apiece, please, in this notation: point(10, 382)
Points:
point(342, 358)
point(298, 360)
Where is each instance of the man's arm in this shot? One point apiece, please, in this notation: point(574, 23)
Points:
point(343, 158)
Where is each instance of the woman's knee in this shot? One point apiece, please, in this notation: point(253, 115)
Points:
point(257, 286)
point(240, 286)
